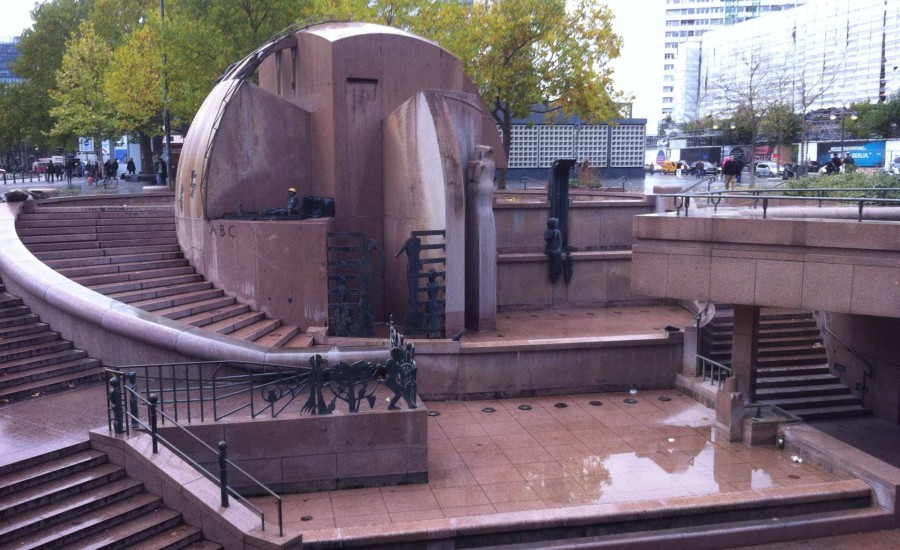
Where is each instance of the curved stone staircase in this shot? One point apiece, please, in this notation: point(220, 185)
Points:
point(74, 498)
point(35, 360)
point(792, 364)
point(131, 254)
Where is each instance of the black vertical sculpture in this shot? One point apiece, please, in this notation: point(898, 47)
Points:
point(559, 210)
point(350, 284)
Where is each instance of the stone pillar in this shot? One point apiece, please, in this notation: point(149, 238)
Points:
point(744, 347)
point(481, 242)
point(730, 412)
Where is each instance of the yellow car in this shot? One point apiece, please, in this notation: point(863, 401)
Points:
point(669, 166)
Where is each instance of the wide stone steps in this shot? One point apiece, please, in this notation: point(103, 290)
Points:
point(122, 252)
point(74, 498)
point(791, 366)
point(104, 269)
point(35, 360)
point(131, 254)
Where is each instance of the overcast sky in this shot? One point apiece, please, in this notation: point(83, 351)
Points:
point(637, 71)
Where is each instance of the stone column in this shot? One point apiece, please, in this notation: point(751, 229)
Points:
point(744, 347)
point(481, 242)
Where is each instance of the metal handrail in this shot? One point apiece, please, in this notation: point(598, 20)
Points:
point(682, 200)
point(133, 418)
point(526, 180)
point(623, 180)
point(708, 180)
point(868, 372)
point(717, 371)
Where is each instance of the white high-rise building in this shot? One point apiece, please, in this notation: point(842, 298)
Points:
point(690, 19)
point(819, 56)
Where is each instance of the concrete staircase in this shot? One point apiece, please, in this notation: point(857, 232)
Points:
point(131, 254)
point(35, 360)
point(792, 364)
point(74, 498)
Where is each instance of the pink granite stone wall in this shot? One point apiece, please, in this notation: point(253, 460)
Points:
point(342, 80)
point(875, 340)
point(317, 453)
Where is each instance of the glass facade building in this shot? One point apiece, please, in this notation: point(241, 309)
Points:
point(8, 54)
point(818, 56)
point(687, 20)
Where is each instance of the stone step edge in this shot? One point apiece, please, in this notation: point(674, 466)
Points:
point(597, 515)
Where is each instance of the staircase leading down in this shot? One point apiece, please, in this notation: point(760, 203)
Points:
point(792, 364)
point(74, 498)
point(131, 254)
point(35, 360)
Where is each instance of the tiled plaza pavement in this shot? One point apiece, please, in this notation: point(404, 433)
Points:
point(549, 457)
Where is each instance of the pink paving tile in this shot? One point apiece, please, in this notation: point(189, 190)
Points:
point(452, 418)
point(352, 521)
point(595, 433)
point(455, 497)
point(354, 504)
point(474, 443)
point(504, 428)
point(609, 447)
point(471, 429)
point(559, 489)
point(495, 474)
point(563, 452)
point(416, 515)
point(538, 471)
point(451, 478)
point(516, 491)
point(557, 437)
point(445, 460)
point(486, 457)
point(519, 506)
point(536, 427)
point(475, 510)
point(515, 441)
point(409, 500)
point(525, 455)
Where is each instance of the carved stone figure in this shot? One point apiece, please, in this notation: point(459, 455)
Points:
point(553, 248)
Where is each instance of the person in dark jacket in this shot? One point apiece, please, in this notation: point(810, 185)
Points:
point(130, 166)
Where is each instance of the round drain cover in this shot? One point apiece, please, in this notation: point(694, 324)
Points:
point(664, 398)
point(524, 407)
point(595, 403)
point(434, 413)
point(631, 400)
point(488, 410)
point(306, 518)
point(794, 476)
point(560, 405)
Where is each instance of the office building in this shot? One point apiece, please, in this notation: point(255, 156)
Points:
point(690, 19)
point(818, 56)
point(8, 54)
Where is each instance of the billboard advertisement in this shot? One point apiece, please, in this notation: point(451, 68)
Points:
point(865, 153)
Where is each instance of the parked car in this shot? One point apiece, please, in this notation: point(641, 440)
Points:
point(766, 169)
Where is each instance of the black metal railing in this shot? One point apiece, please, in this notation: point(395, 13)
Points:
point(717, 372)
point(620, 182)
point(13, 177)
point(219, 389)
point(123, 416)
point(706, 180)
point(880, 197)
point(868, 372)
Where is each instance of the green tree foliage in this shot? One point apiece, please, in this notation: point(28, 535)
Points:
point(82, 107)
point(781, 125)
point(41, 52)
point(133, 83)
point(535, 52)
point(880, 119)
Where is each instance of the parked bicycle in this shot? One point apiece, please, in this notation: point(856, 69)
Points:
point(107, 182)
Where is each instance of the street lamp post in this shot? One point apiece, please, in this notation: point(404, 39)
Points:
point(167, 152)
point(844, 113)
